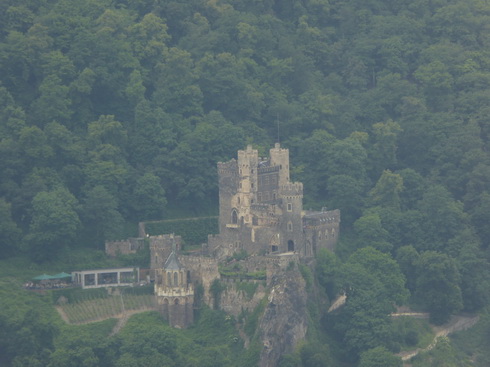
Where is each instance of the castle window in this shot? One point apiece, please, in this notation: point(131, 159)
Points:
point(290, 226)
point(290, 207)
point(319, 235)
point(252, 170)
point(326, 234)
point(176, 279)
point(188, 276)
point(274, 248)
point(273, 196)
point(169, 279)
point(333, 232)
point(290, 245)
point(234, 217)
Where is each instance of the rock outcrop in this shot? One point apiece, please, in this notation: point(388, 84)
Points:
point(285, 321)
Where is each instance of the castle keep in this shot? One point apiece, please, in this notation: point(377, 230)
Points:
point(261, 210)
point(260, 215)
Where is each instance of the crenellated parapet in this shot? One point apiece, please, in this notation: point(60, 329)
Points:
point(229, 168)
point(268, 169)
point(292, 189)
point(322, 218)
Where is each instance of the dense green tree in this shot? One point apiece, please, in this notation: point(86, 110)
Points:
point(54, 223)
point(315, 355)
point(480, 218)
point(9, 231)
point(413, 188)
point(475, 278)
point(370, 232)
point(385, 269)
point(363, 323)
point(27, 328)
point(408, 259)
point(101, 218)
point(379, 357)
point(385, 146)
point(373, 283)
point(346, 194)
point(444, 216)
point(438, 286)
point(327, 271)
point(386, 192)
point(148, 197)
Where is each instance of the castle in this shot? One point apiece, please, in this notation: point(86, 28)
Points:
point(260, 215)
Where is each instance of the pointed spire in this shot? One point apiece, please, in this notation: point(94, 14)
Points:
point(173, 262)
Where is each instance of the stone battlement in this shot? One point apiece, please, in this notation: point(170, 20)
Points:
point(292, 189)
point(270, 169)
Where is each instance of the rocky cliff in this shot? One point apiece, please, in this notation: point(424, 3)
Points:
point(284, 322)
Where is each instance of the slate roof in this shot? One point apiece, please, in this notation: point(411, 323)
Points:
point(172, 262)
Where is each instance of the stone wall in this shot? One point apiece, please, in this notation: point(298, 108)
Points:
point(203, 270)
point(160, 249)
point(123, 247)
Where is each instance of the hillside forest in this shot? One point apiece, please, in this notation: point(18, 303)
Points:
point(115, 112)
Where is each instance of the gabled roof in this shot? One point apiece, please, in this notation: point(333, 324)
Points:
point(172, 262)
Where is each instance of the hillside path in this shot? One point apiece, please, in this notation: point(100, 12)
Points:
point(456, 323)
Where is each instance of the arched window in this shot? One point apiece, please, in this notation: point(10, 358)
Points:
point(290, 245)
point(176, 279)
point(290, 226)
point(333, 232)
point(169, 279)
point(234, 217)
point(176, 302)
point(326, 234)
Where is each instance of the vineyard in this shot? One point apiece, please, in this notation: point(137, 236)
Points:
point(91, 310)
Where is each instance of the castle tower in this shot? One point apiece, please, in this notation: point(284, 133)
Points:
point(280, 157)
point(261, 209)
point(174, 291)
point(238, 189)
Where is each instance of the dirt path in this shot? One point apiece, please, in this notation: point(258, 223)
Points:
point(456, 323)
